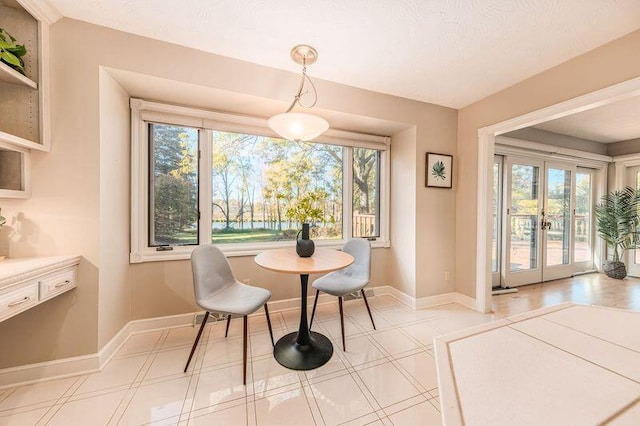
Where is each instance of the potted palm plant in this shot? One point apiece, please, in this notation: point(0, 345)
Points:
point(618, 224)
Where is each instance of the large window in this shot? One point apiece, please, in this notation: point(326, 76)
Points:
point(197, 180)
point(264, 188)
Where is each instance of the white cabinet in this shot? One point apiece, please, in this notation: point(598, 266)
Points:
point(14, 302)
point(24, 99)
point(25, 283)
point(55, 284)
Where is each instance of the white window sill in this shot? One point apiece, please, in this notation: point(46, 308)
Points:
point(235, 250)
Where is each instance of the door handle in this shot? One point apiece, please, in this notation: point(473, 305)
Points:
point(545, 225)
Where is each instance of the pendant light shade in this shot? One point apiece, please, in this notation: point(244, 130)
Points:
point(300, 126)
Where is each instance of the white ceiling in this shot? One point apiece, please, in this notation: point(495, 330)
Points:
point(448, 52)
point(615, 122)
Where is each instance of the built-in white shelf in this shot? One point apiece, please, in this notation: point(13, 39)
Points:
point(24, 99)
point(21, 142)
point(11, 76)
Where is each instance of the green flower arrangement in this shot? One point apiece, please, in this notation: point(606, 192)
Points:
point(10, 52)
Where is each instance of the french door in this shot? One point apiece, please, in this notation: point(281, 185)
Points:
point(539, 223)
point(633, 259)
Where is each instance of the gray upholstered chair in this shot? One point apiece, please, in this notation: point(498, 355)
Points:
point(217, 290)
point(348, 280)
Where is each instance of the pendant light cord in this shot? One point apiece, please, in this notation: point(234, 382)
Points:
point(296, 99)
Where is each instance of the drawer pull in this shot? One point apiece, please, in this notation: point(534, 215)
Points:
point(62, 284)
point(19, 302)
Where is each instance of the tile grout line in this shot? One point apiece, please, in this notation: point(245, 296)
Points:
point(134, 385)
point(577, 356)
point(587, 334)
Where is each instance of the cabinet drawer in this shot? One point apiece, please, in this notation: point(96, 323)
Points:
point(18, 301)
point(56, 284)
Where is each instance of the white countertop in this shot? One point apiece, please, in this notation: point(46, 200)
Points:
point(14, 270)
point(565, 364)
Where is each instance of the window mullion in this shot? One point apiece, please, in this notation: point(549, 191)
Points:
point(205, 191)
point(347, 193)
point(385, 184)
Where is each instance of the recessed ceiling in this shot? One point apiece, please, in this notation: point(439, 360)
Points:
point(619, 121)
point(448, 52)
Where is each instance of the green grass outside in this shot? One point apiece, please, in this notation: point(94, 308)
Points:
point(234, 236)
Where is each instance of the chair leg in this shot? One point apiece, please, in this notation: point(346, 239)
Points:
point(364, 296)
point(228, 323)
point(313, 312)
point(266, 312)
point(244, 354)
point(195, 344)
point(344, 347)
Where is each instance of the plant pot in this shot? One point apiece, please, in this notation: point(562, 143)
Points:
point(615, 270)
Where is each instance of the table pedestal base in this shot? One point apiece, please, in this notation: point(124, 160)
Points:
point(303, 357)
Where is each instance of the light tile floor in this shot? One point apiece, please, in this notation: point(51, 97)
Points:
point(386, 377)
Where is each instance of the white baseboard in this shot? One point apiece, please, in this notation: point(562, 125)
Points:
point(42, 371)
point(467, 301)
point(75, 366)
point(428, 301)
point(139, 326)
point(397, 294)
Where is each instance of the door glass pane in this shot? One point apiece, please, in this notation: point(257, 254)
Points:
point(637, 252)
point(524, 217)
point(582, 248)
point(558, 216)
point(496, 204)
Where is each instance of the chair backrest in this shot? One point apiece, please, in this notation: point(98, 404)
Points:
point(211, 271)
point(360, 249)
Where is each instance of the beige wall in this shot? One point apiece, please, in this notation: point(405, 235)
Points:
point(114, 298)
point(550, 138)
point(631, 146)
point(435, 219)
point(609, 64)
point(80, 201)
point(403, 215)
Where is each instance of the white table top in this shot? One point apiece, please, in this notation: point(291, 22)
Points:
point(565, 364)
point(287, 261)
point(13, 270)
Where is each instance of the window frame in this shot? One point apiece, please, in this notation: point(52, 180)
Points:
point(143, 112)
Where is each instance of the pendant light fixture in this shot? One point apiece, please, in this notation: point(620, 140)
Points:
point(300, 126)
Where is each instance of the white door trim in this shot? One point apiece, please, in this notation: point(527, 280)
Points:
point(486, 142)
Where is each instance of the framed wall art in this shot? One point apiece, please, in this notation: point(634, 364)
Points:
point(438, 170)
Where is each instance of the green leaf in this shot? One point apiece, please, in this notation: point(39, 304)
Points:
point(11, 60)
point(18, 50)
